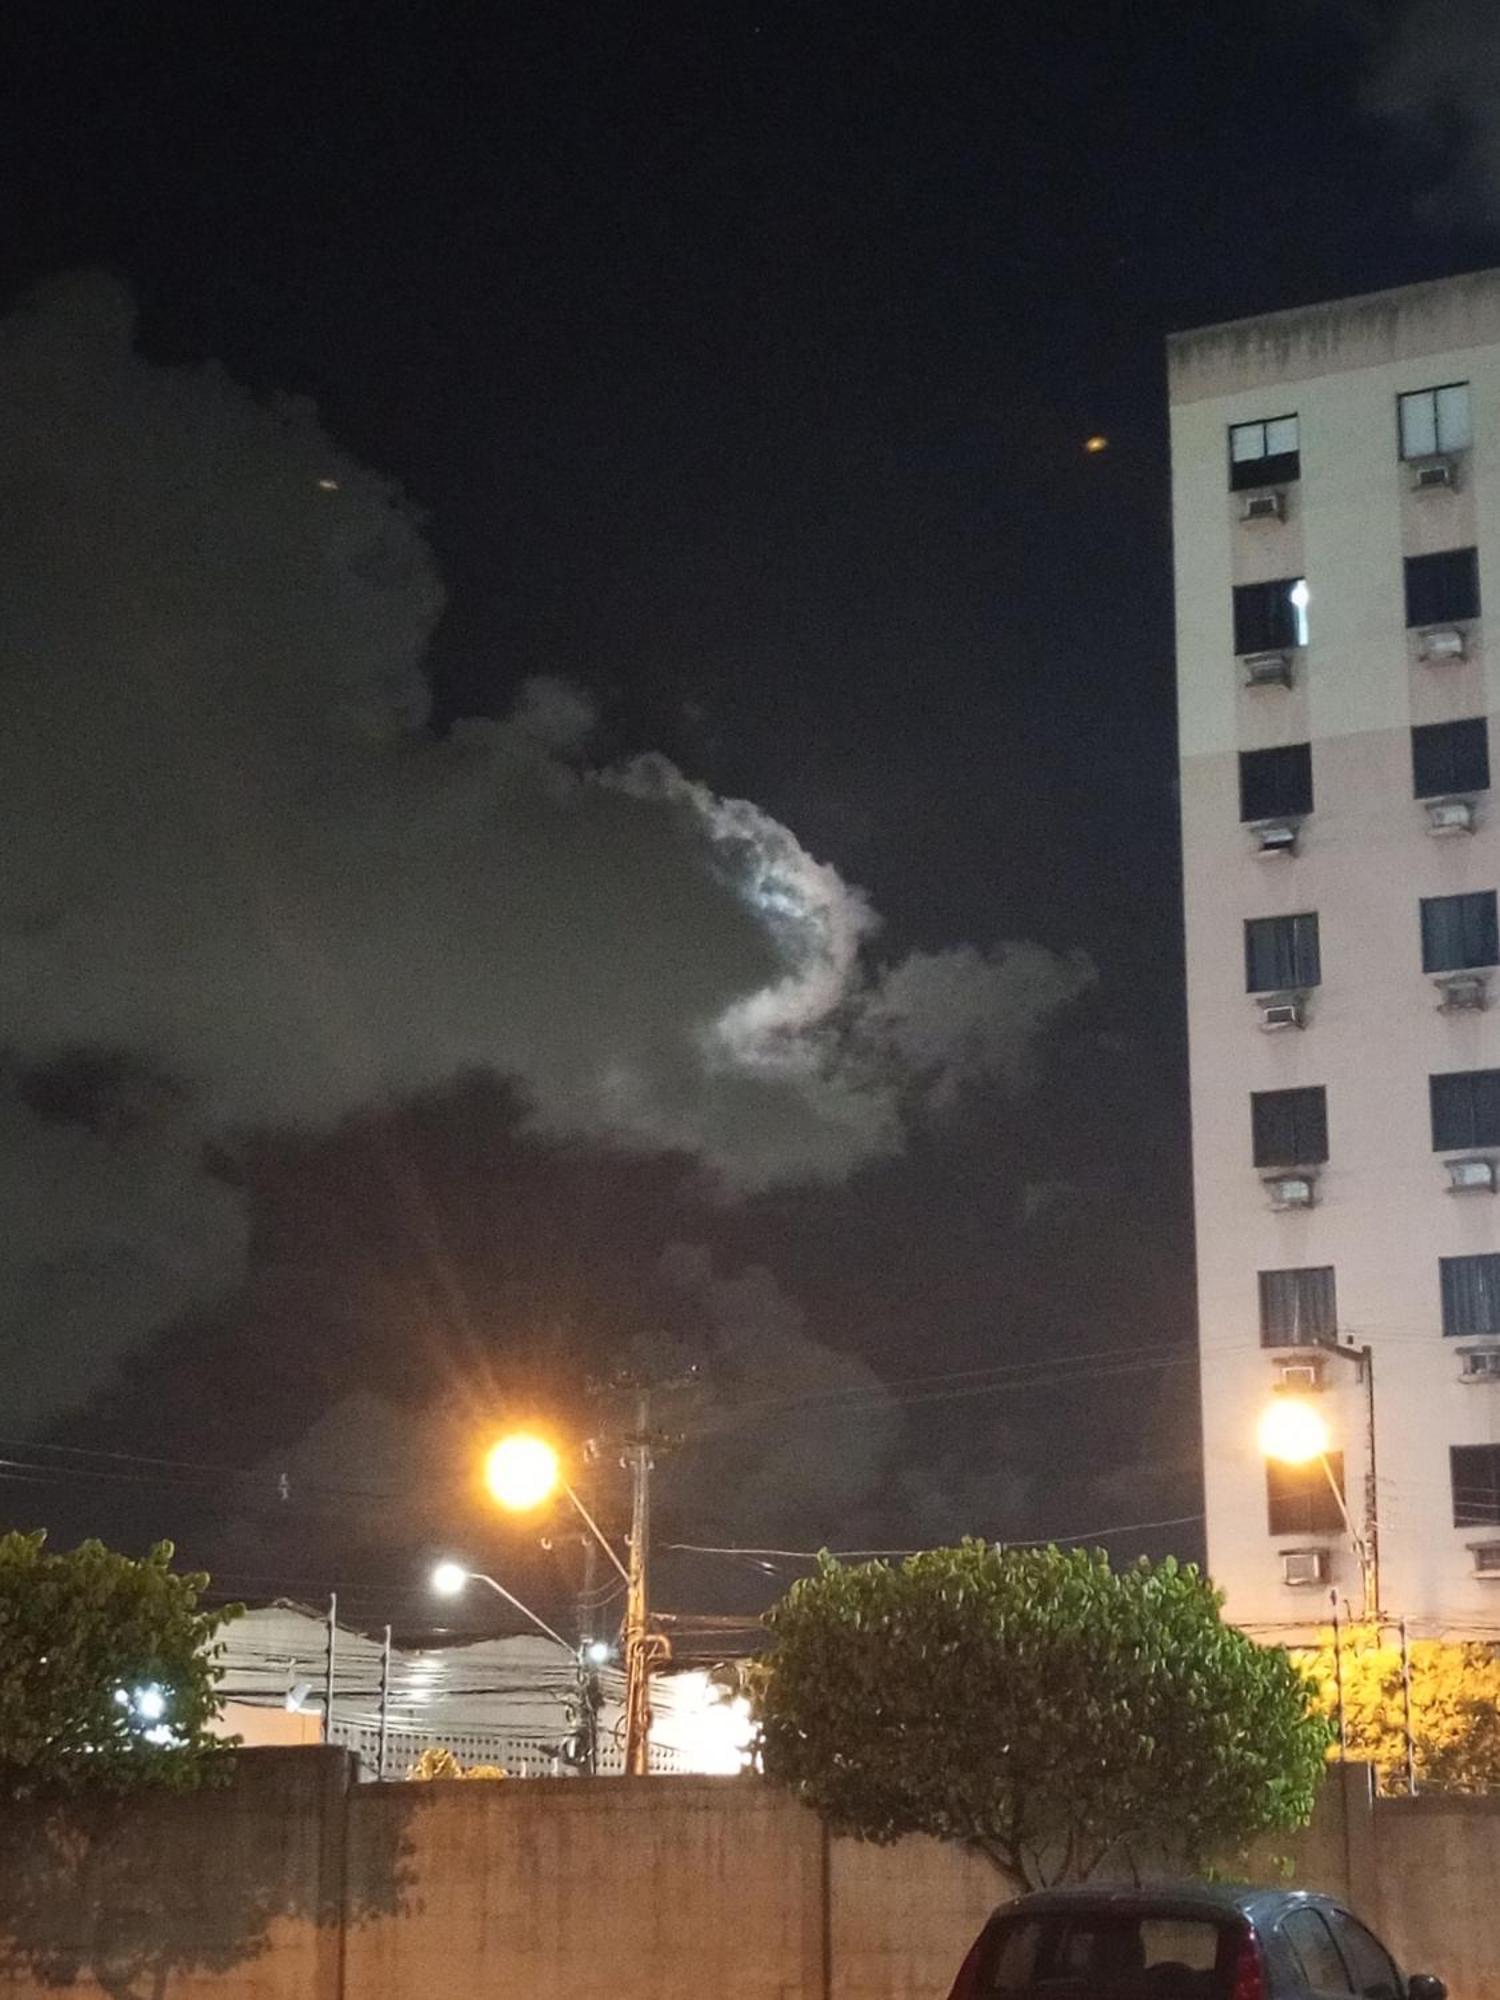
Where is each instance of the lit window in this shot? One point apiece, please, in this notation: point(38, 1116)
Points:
point(1263, 454)
point(1435, 420)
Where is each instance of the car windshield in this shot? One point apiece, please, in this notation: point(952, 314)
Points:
point(1108, 1955)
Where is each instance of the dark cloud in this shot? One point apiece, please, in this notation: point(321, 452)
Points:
point(1433, 70)
point(243, 886)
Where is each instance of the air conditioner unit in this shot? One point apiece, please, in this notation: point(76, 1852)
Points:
point(1480, 1364)
point(1269, 506)
point(1290, 1190)
point(1486, 1558)
point(1268, 670)
point(1462, 992)
point(1446, 642)
point(1275, 839)
point(1449, 816)
point(1434, 475)
point(1299, 1375)
point(1281, 1010)
point(1471, 1176)
point(1300, 1567)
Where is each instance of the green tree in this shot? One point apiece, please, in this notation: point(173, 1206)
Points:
point(107, 1672)
point(1455, 1707)
point(1035, 1705)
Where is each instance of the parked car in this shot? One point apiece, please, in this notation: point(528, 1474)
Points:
point(1182, 1941)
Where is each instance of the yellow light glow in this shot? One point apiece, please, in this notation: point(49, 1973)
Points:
point(1095, 444)
point(521, 1472)
point(1292, 1431)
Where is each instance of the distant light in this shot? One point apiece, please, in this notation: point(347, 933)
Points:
point(1301, 597)
point(599, 1651)
point(521, 1472)
point(1292, 1431)
point(150, 1703)
point(122, 1696)
point(328, 486)
point(449, 1579)
point(1095, 444)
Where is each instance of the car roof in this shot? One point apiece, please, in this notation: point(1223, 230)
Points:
point(1185, 1898)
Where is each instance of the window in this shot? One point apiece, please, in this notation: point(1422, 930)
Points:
point(1281, 953)
point(1459, 932)
point(1290, 1127)
point(1268, 617)
point(1465, 1109)
point(1471, 1294)
point(1107, 1955)
point(1434, 420)
point(1323, 1970)
point(1369, 1962)
point(1263, 454)
point(1442, 588)
point(1450, 757)
point(1276, 782)
point(1299, 1498)
point(1475, 1472)
point(1298, 1308)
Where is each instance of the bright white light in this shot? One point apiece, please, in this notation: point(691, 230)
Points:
point(449, 1579)
point(122, 1696)
point(714, 1735)
point(1301, 597)
point(1292, 1431)
point(150, 1703)
point(599, 1651)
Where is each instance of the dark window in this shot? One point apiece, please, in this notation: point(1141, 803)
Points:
point(1450, 757)
point(1435, 420)
point(1443, 587)
point(1276, 782)
point(1269, 617)
point(1290, 1127)
point(1298, 1308)
point(1369, 1963)
point(1459, 932)
point(1107, 1955)
point(1471, 1293)
point(1465, 1109)
point(1299, 1498)
point(1323, 1969)
point(1475, 1471)
point(1263, 454)
point(1281, 953)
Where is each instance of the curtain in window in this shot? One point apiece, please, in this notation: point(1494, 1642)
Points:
point(1471, 1294)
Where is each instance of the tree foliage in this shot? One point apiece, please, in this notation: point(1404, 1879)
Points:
point(1035, 1705)
point(1455, 1707)
point(81, 1635)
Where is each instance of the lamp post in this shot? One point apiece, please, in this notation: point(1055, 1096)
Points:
point(1295, 1433)
point(450, 1578)
point(521, 1472)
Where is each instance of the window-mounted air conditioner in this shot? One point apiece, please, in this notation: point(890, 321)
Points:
point(1281, 1010)
point(1471, 1176)
point(1299, 1375)
point(1266, 506)
point(1444, 642)
point(1434, 475)
point(1479, 1364)
point(1267, 670)
point(1290, 1190)
point(1462, 992)
point(1300, 1567)
point(1275, 839)
point(1486, 1558)
point(1449, 816)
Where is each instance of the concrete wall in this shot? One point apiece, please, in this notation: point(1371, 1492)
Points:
point(296, 1884)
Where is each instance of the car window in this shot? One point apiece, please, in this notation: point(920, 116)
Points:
point(1108, 1955)
point(1370, 1965)
point(1315, 1951)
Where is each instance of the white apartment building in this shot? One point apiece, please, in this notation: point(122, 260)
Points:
point(1336, 510)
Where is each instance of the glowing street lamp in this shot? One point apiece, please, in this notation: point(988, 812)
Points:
point(521, 1472)
point(1294, 1432)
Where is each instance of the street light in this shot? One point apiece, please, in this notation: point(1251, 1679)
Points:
point(1295, 1432)
point(521, 1471)
point(450, 1579)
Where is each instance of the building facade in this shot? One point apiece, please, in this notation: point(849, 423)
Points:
point(1336, 508)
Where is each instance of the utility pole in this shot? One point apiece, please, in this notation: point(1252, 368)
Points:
point(638, 1641)
point(588, 1678)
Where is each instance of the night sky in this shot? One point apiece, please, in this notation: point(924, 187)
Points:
point(739, 361)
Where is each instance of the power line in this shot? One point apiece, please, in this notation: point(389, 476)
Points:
point(849, 1555)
